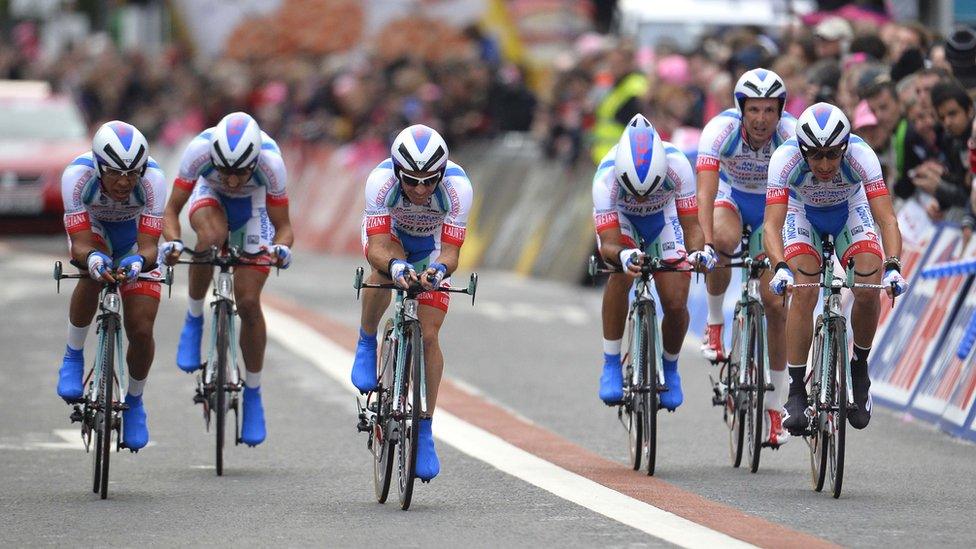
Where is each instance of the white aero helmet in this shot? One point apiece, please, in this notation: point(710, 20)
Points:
point(822, 125)
point(640, 164)
point(419, 148)
point(759, 83)
point(236, 142)
point(121, 147)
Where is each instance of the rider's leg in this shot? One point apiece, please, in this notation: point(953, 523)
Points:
point(84, 303)
point(864, 323)
point(248, 283)
point(614, 319)
point(431, 318)
point(210, 224)
point(799, 324)
point(140, 302)
point(775, 310)
point(726, 236)
point(672, 289)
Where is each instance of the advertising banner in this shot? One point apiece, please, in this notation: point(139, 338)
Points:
point(912, 334)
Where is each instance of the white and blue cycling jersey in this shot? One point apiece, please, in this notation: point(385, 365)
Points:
point(742, 170)
point(652, 224)
point(839, 207)
point(420, 228)
point(115, 223)
point(245, 205)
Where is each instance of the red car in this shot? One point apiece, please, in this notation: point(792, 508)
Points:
point(40, 134)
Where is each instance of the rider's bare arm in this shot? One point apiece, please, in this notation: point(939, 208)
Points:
point(884, 216)
point(83, 242)
point(611, 244)
point(381, 250)
point(773, 221)
point(449, 256)
point(171, 215)
point(707, 191)
point(692, 231)
point(147, 246)
point(278, 214)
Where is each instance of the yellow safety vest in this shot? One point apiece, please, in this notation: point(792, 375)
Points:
point(607, 131)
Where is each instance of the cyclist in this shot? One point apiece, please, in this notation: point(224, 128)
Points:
point(417, 204)
point(113, 206)
point(234, 177)
point(644, 206)
point(828, 181)
point(733, 158)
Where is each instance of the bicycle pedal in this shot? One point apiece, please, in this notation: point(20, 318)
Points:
point(425, 481)
point(77, 416)
point(363, 425)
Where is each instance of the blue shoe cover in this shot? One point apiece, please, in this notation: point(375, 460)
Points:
point(252, 424)
point(188, 352)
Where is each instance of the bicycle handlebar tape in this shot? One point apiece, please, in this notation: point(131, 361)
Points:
point(950, 268)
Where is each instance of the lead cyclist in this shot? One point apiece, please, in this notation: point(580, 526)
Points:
point(829, 181)
point(417, 204)
point(732, 165)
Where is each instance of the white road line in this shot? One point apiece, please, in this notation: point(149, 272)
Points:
point(335, 361)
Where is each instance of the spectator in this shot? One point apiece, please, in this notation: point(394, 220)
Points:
point(627, 97)
point(832, 37)
point(960, 52)
point(949, 181)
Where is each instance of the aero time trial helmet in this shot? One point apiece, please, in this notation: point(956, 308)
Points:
point(121, 147)
point(640, 163)
point(759, 83)
point(419, 148)
point(236, 142)
point(822, 125)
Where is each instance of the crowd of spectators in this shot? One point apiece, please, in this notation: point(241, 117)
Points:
point(905, 90)
point(465, 91)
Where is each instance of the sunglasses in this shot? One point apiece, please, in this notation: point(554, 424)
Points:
point(241, 172)
point(111, 172)
point(832, 153)
point(429, 181)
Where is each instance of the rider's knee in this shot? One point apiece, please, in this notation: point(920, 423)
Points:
point(139, 333)
point(248, 306)
point(866, 295)
point(804, 299)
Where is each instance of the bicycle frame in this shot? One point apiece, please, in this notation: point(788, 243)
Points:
point(644, 301)
point(223, 292)
point(752, 269)
point(404, 316)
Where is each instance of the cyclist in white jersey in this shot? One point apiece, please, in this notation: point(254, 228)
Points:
point(417, 204)
point(643, 207)
point(234, 178)
point(827, 181)
point(113, 206)
point(733, 157)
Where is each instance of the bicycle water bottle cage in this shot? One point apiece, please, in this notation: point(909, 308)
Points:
point(225, 286)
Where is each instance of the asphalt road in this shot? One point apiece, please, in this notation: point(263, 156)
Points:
point(530, 346)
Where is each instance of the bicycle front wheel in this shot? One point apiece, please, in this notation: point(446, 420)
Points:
point(410, 422)
point(755, 379)
point(838, 422)
point(652, 386)
point(818, 441)
point(381, 444)
point(220, 382)
point(104, 407)
point(635, 419)
point(735, 414)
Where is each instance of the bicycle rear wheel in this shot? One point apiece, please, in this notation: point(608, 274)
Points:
point(381, 445)
point(651, 386)
point(220, 383)
point(838, 423)
point(734, 414)
point(755, 367)
point(410, 422)
point(103, 408)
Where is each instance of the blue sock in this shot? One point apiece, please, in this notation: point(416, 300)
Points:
point(670, 365)
point(611, 359)
point(367, 338)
